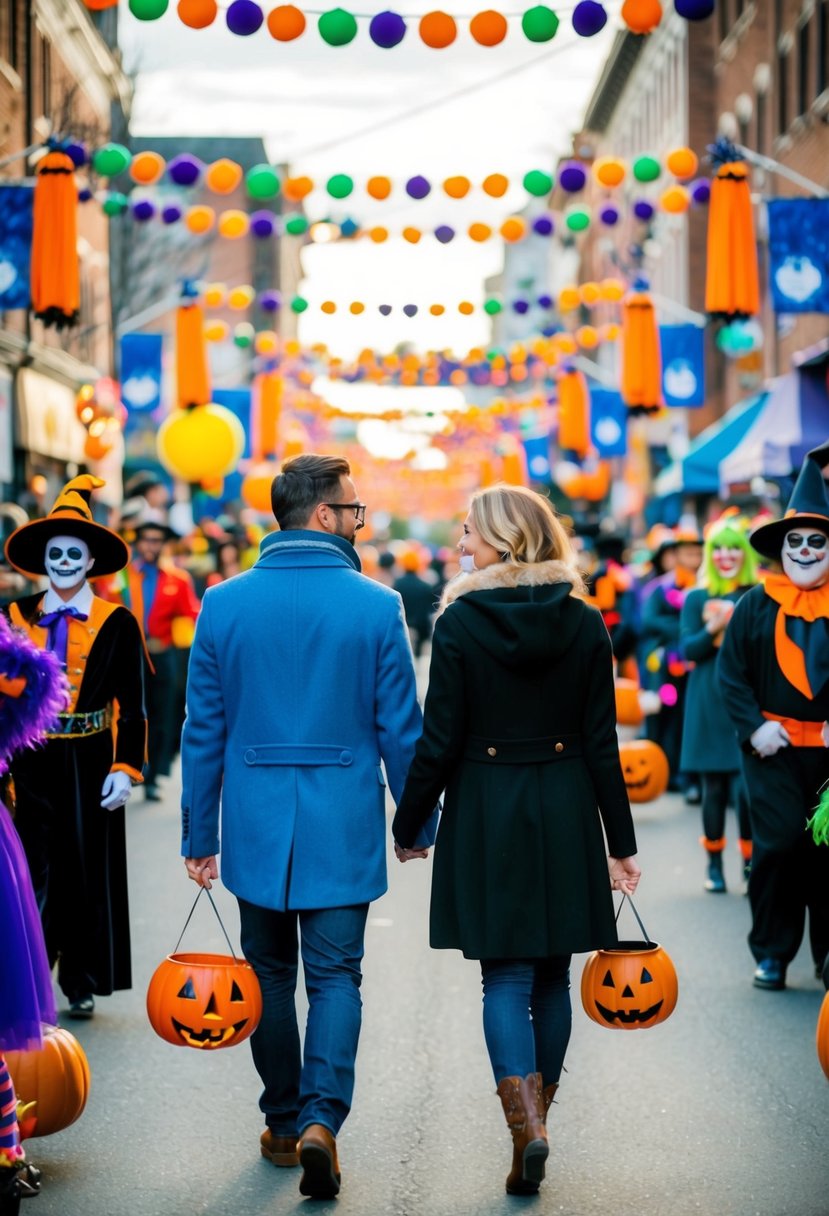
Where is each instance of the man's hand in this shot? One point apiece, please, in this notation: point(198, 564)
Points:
point(768, 739)
point(202, 870)
point(409, 854)
point(116, 790)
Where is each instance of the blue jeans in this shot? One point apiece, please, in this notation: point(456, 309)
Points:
point(527, 1015)
point(315, 1085)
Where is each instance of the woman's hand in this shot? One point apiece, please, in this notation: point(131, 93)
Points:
point(624, 874)
point(407, 854)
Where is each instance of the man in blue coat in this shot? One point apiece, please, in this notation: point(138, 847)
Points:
point(301, 682)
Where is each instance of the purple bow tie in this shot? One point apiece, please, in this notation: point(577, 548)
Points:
point(58, 625)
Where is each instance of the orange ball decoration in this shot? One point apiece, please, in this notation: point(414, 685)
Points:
point(378, 235)
point(569, 299)
point(590, 294)
point(495, 185)
point(206, 1001)
point(197, 14)
point(412, 235)
point(437, 310)
point(286, 23)
point(200, 220)
point(233, 224)
point(223, 176)
point(214, 295)
point(147, 167)
point(609, 171)
point(378, 187)
point(456, 187)
point(513, 229)
point(295, 189)
point(437, 30)
point(612, 290)
point(682, 162)
point(55, 1079)
point(675, 200)
point(631, 986)
point(480, 232)
point(356, 307)
point(587, 337)
point(488, 28)
point(645, 770)
point(329, 307)
point(466, 309)
point(641, 16)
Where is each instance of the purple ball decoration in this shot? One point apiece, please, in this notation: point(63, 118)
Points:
point(545, 301)
point(694, 10)
point(143, 210)
point(609, 215)
point(410, 310)
point(387, 30)
point(643, 209)
point(543, 225)
point(244, 17)
point(269, 301)
point(84, 195)
point(521, 307)
point(417, 187)
point(263, 224)
point(171, 214)
point(185, 170)
point(384, 310)
point(444, 234)
point(77, 154)
point(588, 18)
point(572, 177)
point(481, 375)
point(701, 191)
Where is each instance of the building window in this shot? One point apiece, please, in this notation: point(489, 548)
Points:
point(782, 92)
point(760, 110)
point(822, 47)
point(46, 77)
point(804, 66)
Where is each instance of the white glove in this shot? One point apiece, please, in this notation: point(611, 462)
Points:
point(825, 733)
point(769, 738)
point(116, 790)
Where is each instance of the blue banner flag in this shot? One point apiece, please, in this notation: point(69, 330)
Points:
point(683, 365)
point(15, 245)
point(608, 422)
point(799, 254)
point(141, 372)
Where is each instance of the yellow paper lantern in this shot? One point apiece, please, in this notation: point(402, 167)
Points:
point(612, 290)
point(147, 167)
point(223, 176)
point(200, 444)
point(266, 342)
point(240, 298)
point(587, 337)
point(513, 229)
point(233, 224)
point(214, 295)
point(609, 171)
point(590, 294)
point(216, 331)
point(569, 299)
point(200, 219)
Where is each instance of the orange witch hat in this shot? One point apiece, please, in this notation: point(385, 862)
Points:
point(70, 516)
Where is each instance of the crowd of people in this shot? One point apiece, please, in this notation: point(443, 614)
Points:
point(129, 633)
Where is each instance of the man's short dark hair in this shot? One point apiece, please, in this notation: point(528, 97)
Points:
point(303, 483)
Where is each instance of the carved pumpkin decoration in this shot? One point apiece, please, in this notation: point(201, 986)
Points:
point(645, 769)
point(628, 709)
point(631, 986)
point(53, 1082)
point(205, 1001)
point(823, 1035)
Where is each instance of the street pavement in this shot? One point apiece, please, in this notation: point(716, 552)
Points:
point(721, 1110)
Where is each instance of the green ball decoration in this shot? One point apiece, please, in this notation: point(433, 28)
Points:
point(148, 10)
point(538, 183)
point(296, 225)
point(262, 181)
point(539, 24)
point(115, 204)
point(493, 307)
point(111, 159)
point(298, 304)
point(340, 185)
point(337, 27)
point(646, 169)
point(243, 335)
point(577, 219)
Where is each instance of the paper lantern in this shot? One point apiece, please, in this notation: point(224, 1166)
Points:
point(540, 24)
point(216, 331)
point(200, 219)
point(197, 14)
point(513, 229)
point(646, 168)
point(337, 27)
point(147, 167)
point(244, 17)
point(593, 485)
point(609, 214)
point(184, 170)
point(262, 224)
point(577, 219)
point(444, 234)
point(54, 273)
point(488, 28)
point(495, 185)
point(192, 369)
point(543, 225)
point(675, 200)
point(295, 189)
point(299, 304)
point(418, 187)
point(143, 209)
point(387, 30)
point(457, 187)
point(256, 488)
point(148, 10)
point(694, 10)
point(537, 183)
point(296, 225)
point(54, 1079)
point(437, 30)
point(569, 299)
point(243, 335)
point(115, 203)
point(641, 16)
point(588, 18)
point(340, 185)
point(378, 187)
point(223, 176)
point(609, 171)
point(412, 235)
point(573, 412)
point(286, 23)
point(732, 280)
point(682, 163)
point(240, 297)
point(641, 356)
point(378, 234)
point(108, 161)
point(572, 177)
point(479, 232)
point(200, 444)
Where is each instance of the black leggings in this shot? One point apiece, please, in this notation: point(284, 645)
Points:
point(718, 789)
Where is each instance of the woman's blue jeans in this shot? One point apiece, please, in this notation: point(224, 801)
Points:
point(314, 1085)
point(527, 1015)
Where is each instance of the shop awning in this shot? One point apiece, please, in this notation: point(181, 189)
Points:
point(793, 419)
point(699, 471)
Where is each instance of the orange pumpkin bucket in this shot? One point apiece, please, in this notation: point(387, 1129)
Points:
point(630, 986)
point(822, 1037)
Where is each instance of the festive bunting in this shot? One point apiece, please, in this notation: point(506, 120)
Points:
point(140, 366)
point(683, 364)
point(799, 254)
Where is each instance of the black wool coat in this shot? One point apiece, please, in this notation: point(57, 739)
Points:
point(519, 730)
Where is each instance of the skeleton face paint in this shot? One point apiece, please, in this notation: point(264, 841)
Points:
point(805, 558)
point(67, 561)
point(728, 562)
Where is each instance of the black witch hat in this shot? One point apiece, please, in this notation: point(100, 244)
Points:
point(808, 506)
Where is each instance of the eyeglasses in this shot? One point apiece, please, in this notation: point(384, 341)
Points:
point(359, 509)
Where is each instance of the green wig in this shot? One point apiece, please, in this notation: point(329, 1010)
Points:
point(728, 533)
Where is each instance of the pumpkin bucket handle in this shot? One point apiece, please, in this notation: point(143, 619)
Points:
point(625, 896)
point(224, 930)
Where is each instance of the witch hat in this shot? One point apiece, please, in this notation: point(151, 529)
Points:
point(70, 516)
point(808, 506)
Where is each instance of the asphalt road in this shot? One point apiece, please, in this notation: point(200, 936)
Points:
point(721, 1110)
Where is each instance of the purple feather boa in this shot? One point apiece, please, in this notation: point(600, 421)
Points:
point(25, 719)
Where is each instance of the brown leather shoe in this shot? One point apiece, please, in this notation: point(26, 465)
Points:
point(318, 1158)
point(523, 1103)
point(280, 1150)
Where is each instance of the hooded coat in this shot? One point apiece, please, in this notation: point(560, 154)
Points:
point(519, 730)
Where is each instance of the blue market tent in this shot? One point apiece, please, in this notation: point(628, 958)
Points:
point(699, 471)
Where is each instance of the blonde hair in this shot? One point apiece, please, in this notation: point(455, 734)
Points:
point(523, 526)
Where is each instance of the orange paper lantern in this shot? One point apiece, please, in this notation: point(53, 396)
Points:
point(437, 30)
point(574, 412)
point(197, 14)
point(286, 23)
point(295, 189)
point(456, 187)
point(641, 355)
point(378, 187)
point(682, 162)
point(732, 287)
point(192, 369)
point(223, 176)
point(55, 280)
point(146, 168)
point(479, 232)
point(641, 16)
point(609, 171)
point(488, 28)
point(495, 185)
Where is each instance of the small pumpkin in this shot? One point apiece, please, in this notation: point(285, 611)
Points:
point(628, 708)
point(52, 1084)
point(206, 1001)
point(645, 769)
point(631, 986)
point(823, 1035)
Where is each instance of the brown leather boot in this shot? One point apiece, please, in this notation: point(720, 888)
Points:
point(318, 1158)
point(280, 1150)
point(524, 1109)
point(547, 1095)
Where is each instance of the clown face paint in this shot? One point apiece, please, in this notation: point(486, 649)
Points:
point(67, 562)
point(805, 558)
point(728, 562)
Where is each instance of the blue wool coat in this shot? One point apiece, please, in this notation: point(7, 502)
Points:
point(301, 681)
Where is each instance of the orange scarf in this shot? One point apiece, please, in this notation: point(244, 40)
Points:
point(810, 606)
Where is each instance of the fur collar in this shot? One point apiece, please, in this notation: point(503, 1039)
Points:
point(511, 574)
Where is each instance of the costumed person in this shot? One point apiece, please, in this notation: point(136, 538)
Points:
point(611, 590)
point(519, 730)
point(709, 744)
point(70, 795)
point(163, 600)
point(774, 676)
point(32, 693)
point(664, 669)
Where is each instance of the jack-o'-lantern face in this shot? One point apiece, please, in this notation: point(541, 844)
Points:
point(204, 1001)
point(645, 770)
point(629, 987)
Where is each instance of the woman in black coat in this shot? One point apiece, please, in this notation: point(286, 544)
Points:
point(519, 730)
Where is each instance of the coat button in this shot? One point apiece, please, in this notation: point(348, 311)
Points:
point(559, 747)
point(491, 751)
point(250, 756)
